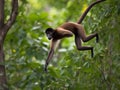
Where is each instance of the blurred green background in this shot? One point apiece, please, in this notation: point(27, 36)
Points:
point(26, 47)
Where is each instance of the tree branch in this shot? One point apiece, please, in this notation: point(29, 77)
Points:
point(1, 13)
point(13, 15)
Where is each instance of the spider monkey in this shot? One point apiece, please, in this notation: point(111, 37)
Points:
point(67, 30)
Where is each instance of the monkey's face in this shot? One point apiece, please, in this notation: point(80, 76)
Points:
point(49, 35)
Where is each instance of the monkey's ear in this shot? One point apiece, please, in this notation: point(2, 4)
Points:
point(49, 30)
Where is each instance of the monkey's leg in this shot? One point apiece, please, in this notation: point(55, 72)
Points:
point(85, 39)
point(79, 47)
point(82, 34)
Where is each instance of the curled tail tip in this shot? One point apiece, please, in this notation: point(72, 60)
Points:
point(88, 9)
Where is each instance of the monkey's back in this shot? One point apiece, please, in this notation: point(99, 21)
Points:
point(70, 26)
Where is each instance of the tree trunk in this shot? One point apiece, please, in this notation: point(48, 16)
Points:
point(3, 80)
point(4, 28)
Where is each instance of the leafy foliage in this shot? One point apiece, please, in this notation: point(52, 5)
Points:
point(26, 47)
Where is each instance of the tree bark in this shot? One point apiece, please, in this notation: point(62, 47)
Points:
point(1, 13)
point(3, 79)
point(4, 28)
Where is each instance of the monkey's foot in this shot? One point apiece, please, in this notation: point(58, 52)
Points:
point(92, 53)
point(45, 69)
point(97, 38)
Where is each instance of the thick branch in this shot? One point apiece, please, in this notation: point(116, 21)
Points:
point(13, 15)
point(1, 13)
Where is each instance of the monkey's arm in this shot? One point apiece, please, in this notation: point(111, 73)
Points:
point(50, 55)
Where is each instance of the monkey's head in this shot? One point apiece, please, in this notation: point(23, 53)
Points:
point(49, 33)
